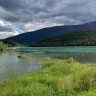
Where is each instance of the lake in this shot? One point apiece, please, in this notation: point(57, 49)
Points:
point(11, 65)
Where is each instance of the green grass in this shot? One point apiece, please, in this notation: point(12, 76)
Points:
point(12, 52)
point(58, 77)
point(38, 52)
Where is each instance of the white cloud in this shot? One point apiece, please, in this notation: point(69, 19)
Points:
point(6, 30)
point(7, 34)
point(2, 23)
point(37, 25)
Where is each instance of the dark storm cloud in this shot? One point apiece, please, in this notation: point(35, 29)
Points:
point(34, 14)
point(10, 4)
point(33, 9)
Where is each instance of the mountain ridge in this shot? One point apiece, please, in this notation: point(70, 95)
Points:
point(41, 34)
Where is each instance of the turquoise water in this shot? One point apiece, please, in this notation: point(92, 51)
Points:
point(83, 54)
point(57, 49)
point(11, 65)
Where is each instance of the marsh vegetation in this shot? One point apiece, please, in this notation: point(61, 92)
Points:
point(24, 56)
point(58, 77)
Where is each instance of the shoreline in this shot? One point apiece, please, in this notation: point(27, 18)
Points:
point(58, 77)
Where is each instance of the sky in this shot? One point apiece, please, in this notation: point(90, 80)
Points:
point(19, 16)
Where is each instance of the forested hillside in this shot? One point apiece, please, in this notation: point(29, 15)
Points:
point(10, 43)
point(81, 38)
point(4, 44)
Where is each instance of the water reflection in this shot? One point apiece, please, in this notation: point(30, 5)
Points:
point(10, 65)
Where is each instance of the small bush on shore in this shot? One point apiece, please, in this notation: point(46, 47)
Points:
point(23, 56)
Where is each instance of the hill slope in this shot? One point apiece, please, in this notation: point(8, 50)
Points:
point(36, 36)
point(10, 43)
point(81, 38)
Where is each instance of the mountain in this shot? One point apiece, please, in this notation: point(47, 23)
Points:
point(36, 36)
point(80, 38)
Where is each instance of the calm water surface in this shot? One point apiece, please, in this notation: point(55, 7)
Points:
point(10, 65)
point(83, 54)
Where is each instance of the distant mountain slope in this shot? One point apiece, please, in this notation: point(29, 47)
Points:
point(32, 37)
point(81, 38)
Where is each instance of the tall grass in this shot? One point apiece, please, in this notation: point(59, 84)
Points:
point(58, 77)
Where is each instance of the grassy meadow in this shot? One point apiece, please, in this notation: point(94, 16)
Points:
point(58, 77)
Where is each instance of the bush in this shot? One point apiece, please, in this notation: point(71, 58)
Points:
point(2, 46)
